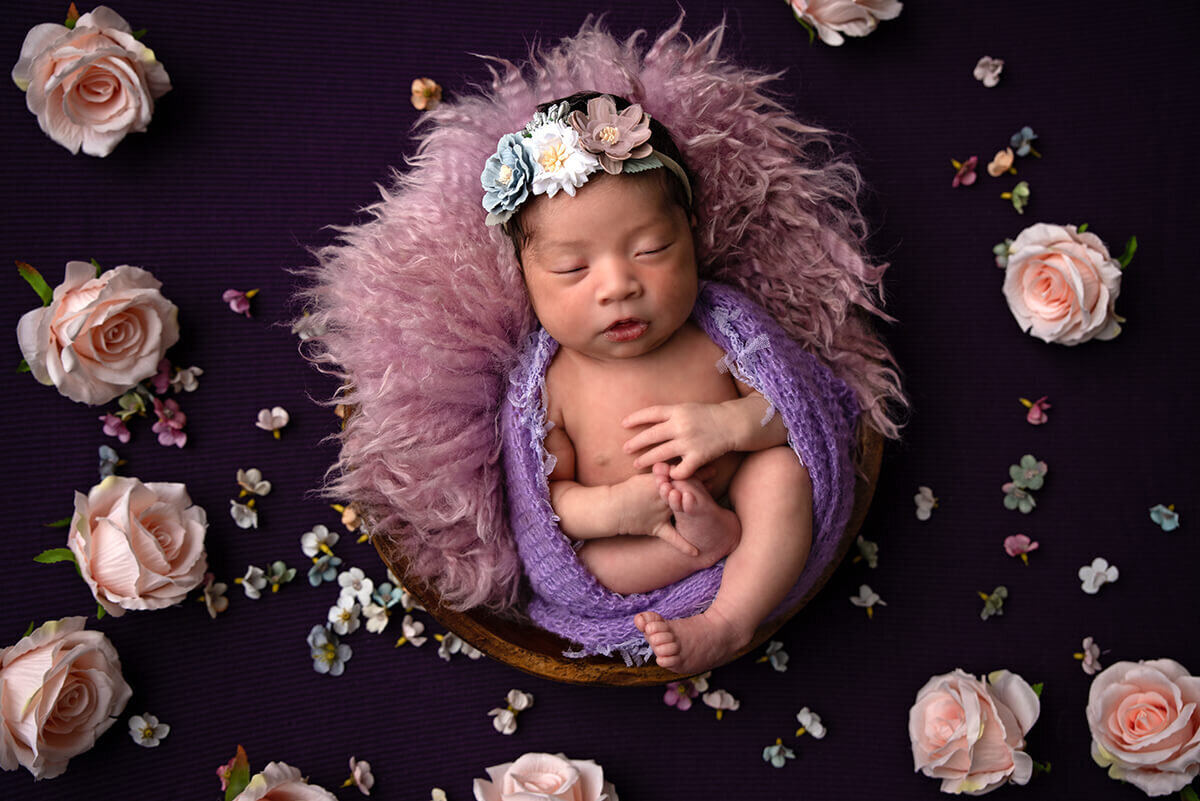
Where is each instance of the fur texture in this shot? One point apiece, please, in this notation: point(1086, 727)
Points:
point(425, 309)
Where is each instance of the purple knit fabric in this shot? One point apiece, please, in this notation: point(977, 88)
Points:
point(818, 409)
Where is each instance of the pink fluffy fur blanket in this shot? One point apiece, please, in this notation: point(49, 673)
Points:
point(424, 310)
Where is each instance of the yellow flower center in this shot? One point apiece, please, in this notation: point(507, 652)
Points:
point(554, 156)
point(505, 175)
point(147, 733)
point(608, 134)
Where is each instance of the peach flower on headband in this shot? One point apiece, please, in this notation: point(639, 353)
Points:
point(832, 18)
point(90, 85)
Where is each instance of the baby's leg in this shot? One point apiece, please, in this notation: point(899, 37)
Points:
point(639, 563)
point(772, 496)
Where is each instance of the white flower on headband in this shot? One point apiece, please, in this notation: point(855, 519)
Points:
point(559, 161)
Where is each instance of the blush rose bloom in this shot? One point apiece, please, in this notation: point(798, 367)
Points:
point(832, 18)
point(281, 782)
point(970, 733)
point(545, 777)
point(100, 335)
point(1062, 285)
point(91, 85)
point(138, 546)
point(1145, 722)
point(60, 689)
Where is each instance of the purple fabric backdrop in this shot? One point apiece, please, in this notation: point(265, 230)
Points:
point(280, 121)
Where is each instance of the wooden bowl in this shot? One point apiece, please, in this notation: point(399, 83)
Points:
point(537, 651)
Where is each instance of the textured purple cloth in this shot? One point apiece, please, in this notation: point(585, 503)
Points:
point(818, 409)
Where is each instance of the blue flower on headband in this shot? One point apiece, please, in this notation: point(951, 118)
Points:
point(507, 179)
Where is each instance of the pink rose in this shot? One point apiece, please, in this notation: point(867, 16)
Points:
point(832, 18)
point(1145, 722)
point(545, 777)
point(100, 335)
point(60, 689)
point(91, 85)
point(138, 546)
point(970, 733)
point(281, 782)
point(1062, 285)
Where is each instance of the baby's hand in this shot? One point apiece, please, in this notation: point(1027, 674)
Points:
point(644, 510)
point(693, 433)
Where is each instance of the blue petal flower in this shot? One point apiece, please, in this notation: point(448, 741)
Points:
point(1021, 141)
point(1165, 516)
point(507, 179)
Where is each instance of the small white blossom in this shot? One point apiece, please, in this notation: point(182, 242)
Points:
point(344, 615)
point(519, 700)
point(253, 582)
point(925, 502)
point(1097, 574)
point(411, 632)
point(867, 598)
point(146, 731)
point(273, 419)
point(453, 644)
point(244, 515)
point(810, 723)
point(311, 542)
point(252, 483)
point(868, 551)
point(355, 584)
point(721, 700)
point(307, 327)
point(377, 617)
point(504, 720)
point(185, 380)
point(775, 655)
point(988, 70)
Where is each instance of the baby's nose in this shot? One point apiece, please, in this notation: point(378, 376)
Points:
point(618, 282)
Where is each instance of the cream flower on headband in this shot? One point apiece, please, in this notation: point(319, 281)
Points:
point(560, 163)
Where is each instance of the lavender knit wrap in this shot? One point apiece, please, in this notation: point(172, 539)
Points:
point(818, 409)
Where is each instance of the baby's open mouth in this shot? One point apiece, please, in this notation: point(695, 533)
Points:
point(625, 330)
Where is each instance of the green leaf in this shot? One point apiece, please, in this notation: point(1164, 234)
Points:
point(29, 630)
point(1082, 228)
point(23, 367)
point(1188, 794)
point(66, 521)
point(35, 280)
point(96, 264)
point(239, 775)
point(139, 34)
point(1037, 688)
point(100, 613)
point(1130, 248)
point(1041, 767)
point(55, 555)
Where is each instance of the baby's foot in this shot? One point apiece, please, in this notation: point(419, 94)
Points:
point(691, 644)
point(700, 520)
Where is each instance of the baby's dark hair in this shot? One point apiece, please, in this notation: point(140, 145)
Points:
point(660, 140)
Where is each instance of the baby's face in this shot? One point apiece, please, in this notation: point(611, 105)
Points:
point(612, 271)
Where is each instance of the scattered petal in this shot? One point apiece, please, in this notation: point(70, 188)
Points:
point(253, 582)
point(1089, 656)
point(318, 540)
point(1036, 415)
point(453, 644)
point(360, 776)
point(307, 327)
point(1022, 140)
point(1001, 163)
point(1017, 498)
point(965, 171)
point(109, 461)
point(162, 379)
point(411, 632)
point(426, 94)
point(1029, 474)
point(868, 551)
point(925, 502)
point(147, 731)
point(325, 568)
point(993, 604)
point(354, 583)
point(867, 598)
point(721, 700)
point(1018, 196)
point(214, 596)
point(680, 693)
point(1165, 516)
point(245, 515)
point(344, 615)
point(778, 754)
point(273, 419)
point(239, 302)
point(810, 723)
point(171, 421)
point(115, 427)
point(1002, 251)
point(519, 700)
point(1097, 574)
point(279, 573)
point(186, 379)
point(328, 653)
point(1019, 545)
point(988, 70)
point(252, 483)
point(775, 655)
point(503, 720)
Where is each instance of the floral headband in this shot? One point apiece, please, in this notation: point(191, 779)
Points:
point(560, 149)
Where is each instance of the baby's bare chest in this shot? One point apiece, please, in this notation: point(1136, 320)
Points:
point(593, 402)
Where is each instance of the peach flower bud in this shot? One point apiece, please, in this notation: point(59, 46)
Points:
point(281, 782)
point(60, 689)
point(1001, 163)
point(91, 85)
point(1145, 722)
point(100, 335)
point(1062, 285)
point(832, 18)
point(970, 733)
point(426, 94)
point(138, 546)
point(548, 777)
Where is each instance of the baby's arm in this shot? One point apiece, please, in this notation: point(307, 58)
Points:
point(634, 506)
point(698, 433)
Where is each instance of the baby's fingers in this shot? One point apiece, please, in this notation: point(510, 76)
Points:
point(663, 453)
point(650, 414)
